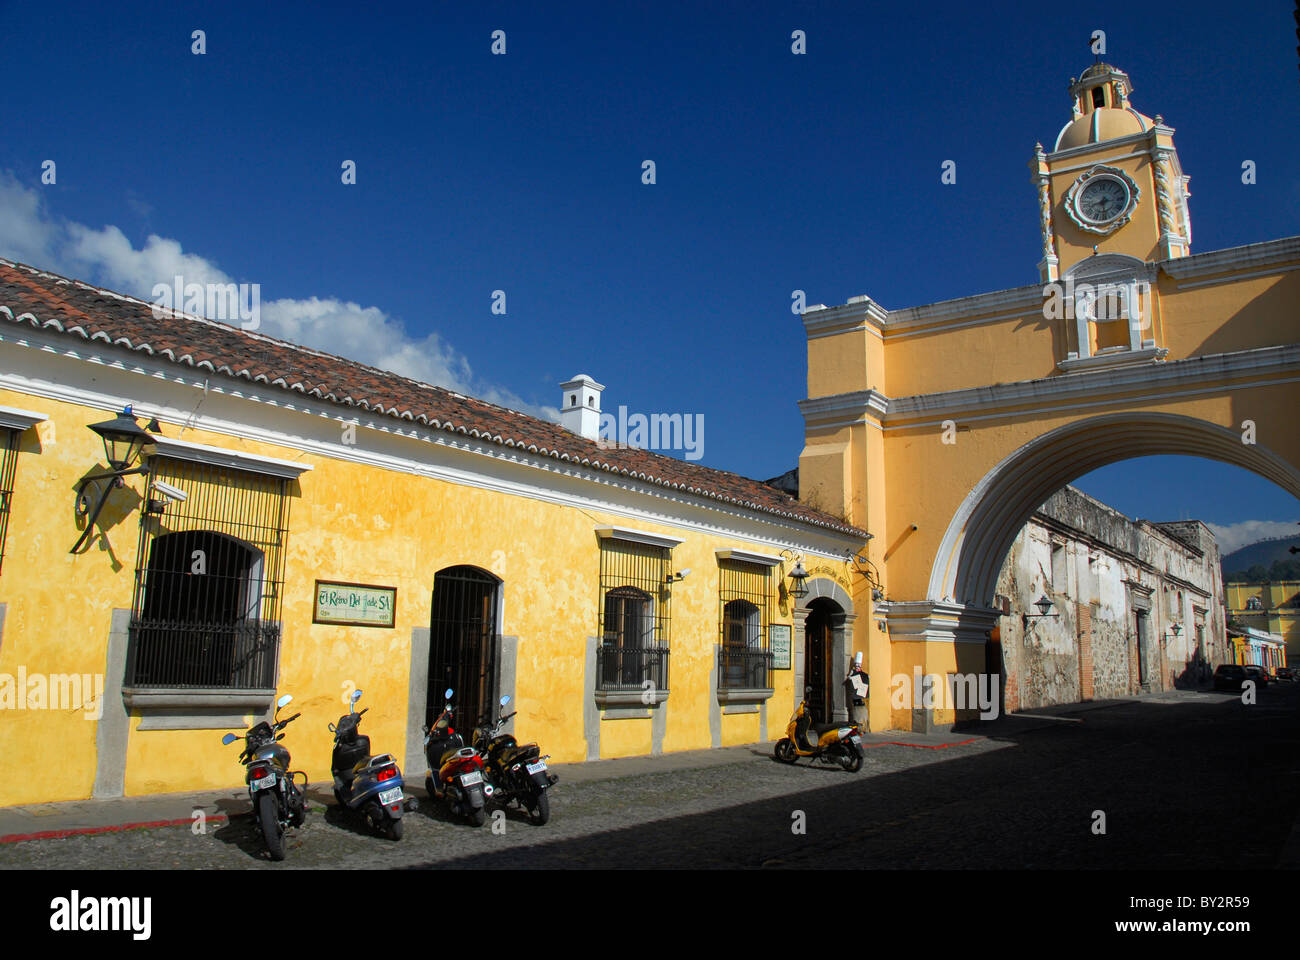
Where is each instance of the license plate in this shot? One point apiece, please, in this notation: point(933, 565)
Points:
point(469, 779)
point(855, 738)
point(537, 767)
point(391, 796)
point(266, 781)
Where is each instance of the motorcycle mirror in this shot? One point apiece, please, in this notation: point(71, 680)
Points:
point(356, 695)
point(284, 701)
point(447, 693)
point(228, 739)
point(505, 698)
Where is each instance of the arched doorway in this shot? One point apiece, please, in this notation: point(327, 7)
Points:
point(463, 643)
point(823, 635)
point(818, 635)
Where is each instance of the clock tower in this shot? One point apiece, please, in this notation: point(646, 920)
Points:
point(1112, 183)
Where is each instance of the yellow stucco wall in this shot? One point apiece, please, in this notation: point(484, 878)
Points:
point(348, 522)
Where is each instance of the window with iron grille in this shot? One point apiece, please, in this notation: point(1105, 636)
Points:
point(209, 579)
point(8, 458)
point(635, 603)
point(744, 595)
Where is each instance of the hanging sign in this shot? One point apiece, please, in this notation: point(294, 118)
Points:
point(778, 640)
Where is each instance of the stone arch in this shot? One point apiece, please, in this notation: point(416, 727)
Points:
point(984, 526)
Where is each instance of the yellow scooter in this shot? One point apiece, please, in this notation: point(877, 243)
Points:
point(837, 743)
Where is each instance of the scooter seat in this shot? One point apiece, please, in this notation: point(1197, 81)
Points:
point(525, 753)
point(821, 728)
point(347, 757)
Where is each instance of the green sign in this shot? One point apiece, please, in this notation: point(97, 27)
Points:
point(355, 604)
point(778, 640)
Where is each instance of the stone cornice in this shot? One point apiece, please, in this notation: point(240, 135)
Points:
point(1252, 255)
point(865, 313)
point(853, 406)
point(15, 419)
point(1162, 375)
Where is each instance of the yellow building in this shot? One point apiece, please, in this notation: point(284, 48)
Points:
point(1271, 608)
point(308, 525)
point(942, 428)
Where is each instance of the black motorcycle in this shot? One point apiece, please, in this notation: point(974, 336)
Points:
point(518, 774)
point(278, 801)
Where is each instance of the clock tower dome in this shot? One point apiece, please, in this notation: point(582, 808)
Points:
point(1112, 183)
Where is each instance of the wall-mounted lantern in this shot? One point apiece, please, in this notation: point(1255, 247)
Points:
point(799, 580)
point(1043, 605)
point(125, 444)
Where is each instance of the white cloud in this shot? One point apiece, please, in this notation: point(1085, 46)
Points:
point(1234, 536)
point(31, 235)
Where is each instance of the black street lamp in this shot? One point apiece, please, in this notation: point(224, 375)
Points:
point(1043, 605)
point(799, 579)
point(125, 444)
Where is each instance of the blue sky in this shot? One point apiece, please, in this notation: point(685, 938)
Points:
point(522, 173)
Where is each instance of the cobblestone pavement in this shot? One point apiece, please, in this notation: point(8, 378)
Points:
point(1187, 780)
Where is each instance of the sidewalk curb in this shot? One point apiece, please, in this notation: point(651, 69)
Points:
point(68, 822)
point(84, 831)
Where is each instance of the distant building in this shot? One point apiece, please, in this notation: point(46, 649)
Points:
point(1255, 646)
point(1268, 609)
point(1135, 606)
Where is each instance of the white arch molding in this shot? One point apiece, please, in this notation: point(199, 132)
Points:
point(982, 530)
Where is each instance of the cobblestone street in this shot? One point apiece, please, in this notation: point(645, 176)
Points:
point(1184, 780)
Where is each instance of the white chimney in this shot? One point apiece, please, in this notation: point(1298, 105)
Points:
point(580, 406)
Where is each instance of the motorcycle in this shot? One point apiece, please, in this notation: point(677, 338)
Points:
point(455, 771)
point(517, 774)
point(836, 743)
point(278, 801)
point(371, 785)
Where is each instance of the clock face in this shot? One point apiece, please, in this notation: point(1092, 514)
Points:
point(1103, 199)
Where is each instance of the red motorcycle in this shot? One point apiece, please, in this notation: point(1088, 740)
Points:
point(459, 777)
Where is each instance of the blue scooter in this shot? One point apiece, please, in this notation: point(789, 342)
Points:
point(371, 785)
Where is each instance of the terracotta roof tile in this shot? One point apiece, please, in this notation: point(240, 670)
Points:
point(33, 297)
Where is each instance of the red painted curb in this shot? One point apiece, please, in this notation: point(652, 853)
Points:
point(83, 831)
point(923, 746)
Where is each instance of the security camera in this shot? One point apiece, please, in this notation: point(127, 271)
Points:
point(170, 492)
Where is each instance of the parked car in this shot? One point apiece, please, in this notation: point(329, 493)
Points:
point(1229, 676)
point(1257, 673)
point(1286, 673)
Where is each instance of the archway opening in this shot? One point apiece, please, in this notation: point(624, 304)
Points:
point(1114, 585)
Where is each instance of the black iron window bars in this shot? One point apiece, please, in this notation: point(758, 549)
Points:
point(209, 579)
point(635, 614)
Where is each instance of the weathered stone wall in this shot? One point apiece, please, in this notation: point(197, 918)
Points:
point(1098, 568)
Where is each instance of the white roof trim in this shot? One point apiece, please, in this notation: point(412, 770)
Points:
point(218, 457)
point(20, 420)
point(637, 536)
point(748, 556)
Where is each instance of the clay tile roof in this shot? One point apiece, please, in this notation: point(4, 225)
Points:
point(36, 298)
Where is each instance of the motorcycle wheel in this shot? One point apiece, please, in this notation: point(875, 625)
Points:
point(428, 787)
point(478, 817)
point(338, 797)
point(540, 811)
point(393, 829)
point(272, 832)
point(851, 761)
point(785, 751)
